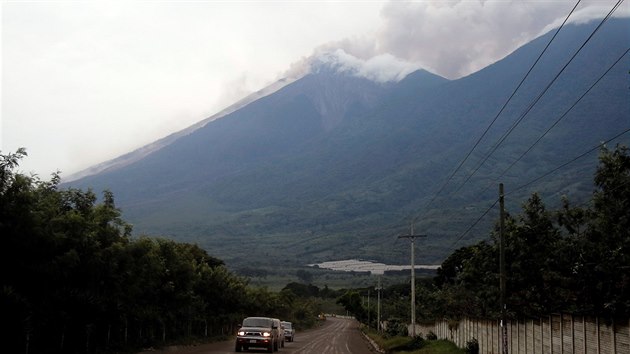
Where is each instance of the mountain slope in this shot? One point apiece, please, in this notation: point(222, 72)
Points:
point(148, 149)
point(333, 166)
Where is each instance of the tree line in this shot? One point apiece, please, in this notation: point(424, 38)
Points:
point(575, 259)
point(74, 280)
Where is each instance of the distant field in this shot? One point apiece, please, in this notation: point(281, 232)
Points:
point(355, 265)
point(334, 279)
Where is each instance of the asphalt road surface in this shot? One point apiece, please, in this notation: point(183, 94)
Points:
point(335, 336)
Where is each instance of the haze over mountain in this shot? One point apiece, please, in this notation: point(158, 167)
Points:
point(336, 163)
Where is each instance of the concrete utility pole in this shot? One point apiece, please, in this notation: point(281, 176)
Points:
point(378, 306)
point(412, 237)
point(504, 331)
point(369, 309)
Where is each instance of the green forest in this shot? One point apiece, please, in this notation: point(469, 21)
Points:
point(74, 280)
point(572, 260)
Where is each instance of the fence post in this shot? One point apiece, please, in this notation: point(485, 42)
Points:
point(492, 323)
point(614, 337)
point(542, 335)
point(572, 334)
point(511, 338)
point(461, 331)
point(478, 332)
point(584, 333)
point(468, 328)
point(518, 336)
point(533, 337)
point(597, 327)
point(483, 338)
point(500, 336)
point(493, 327)
point(561, 333)
point(488, 338)
point(551, 334)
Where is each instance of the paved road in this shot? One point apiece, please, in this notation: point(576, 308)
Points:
point(335, 336)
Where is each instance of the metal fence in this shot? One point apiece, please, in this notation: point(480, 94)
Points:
point(557, 334)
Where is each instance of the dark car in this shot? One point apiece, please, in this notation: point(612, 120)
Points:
point(289, 332)
point(258, 332)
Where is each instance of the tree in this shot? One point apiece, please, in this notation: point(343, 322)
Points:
point(74, 280)
point(604, 249)
point(351, 301)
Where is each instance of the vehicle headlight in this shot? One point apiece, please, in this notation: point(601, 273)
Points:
point(266, 334)
point(241, 333)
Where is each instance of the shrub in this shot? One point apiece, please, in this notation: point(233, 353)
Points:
point(396, 328)
point(417, 343)
point(431, 336)
point(472, 346)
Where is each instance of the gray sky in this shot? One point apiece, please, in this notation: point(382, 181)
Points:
point(87, 81)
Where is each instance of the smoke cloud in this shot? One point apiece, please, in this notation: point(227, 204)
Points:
point(380, 68)
point(449, 38)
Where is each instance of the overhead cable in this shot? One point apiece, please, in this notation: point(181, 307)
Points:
point(461, 236)
point(561, 117)
point(569, 162)
point(473, 225)
point(496, 117)
point(533, 103)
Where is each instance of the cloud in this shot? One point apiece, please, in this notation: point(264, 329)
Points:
point(593, 11)
point(449, 38)
point(83, 82)
point(456, 38)
point(380, 68)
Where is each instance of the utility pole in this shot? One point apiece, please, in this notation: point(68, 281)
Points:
point(378, 307)
point(412, 237)
point(369, 309)
point(504, 333)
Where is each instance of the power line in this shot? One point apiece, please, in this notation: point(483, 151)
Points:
point(533, 103)
point(567, 111)
point(473, 225)
point(461, 236)
point(497, 115)
point(520, 118)
point(560, 118)
point(569, 162)
point(590, 201)
point(504, 137)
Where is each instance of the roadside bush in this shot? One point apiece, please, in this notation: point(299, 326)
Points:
point(417, 343)
point(472, 346)
point(396, 328)
point(431, 336)
point(398, 344)
point(404, 344)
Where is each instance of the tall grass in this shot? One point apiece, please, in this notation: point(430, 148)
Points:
point(402, 345)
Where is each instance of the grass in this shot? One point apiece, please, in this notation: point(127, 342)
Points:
point(394, 342)
point(440, 346)
point(397, 345)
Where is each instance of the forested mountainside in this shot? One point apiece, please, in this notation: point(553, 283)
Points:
point(334, 166)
